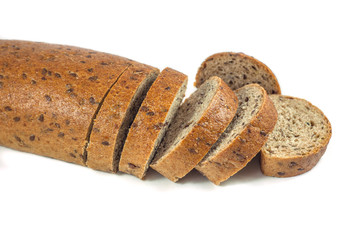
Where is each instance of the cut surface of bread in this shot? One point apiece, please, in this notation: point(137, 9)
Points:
point(299, 139)
point(147, 130)
point(198, 124)
point(238, 70)
point(49, 95)
point(117, 112)
point(255, 118)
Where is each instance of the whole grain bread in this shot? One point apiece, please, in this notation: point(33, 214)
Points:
point(255, 118)
point(299, 139)
point(118, 110)
point(238, 70)
point(152, 120)
point(198, 124)
point(49, 95)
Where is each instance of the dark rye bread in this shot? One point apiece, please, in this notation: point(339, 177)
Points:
point(49, 95)
point(238, 70)
point(156, 112)
point(116, 114)
point(255, 118)
point(299, 139)
point(200, 121)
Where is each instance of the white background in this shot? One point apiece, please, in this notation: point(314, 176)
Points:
point(311, 46)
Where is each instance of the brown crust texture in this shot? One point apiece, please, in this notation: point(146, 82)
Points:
point(190, 150)
point(289, 167)
point(292, 166)
point(200, 78)
point(243, 148)
point(108, 130)
point(151, 118)
point(49, 94)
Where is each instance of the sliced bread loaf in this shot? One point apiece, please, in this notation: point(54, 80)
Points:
point(198, 124)
point(118, 110)
point(255, 118)
point(49, 94)
point(156, 112)
point(237, 70)
point(299, 139)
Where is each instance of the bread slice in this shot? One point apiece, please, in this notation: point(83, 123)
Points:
point(49, 94)
point(198, 124)
point(238, 70)
point(255, 118)
point(299, 139)
point(156, 112)
point(111, 124)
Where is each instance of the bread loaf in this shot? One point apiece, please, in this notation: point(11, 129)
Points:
point(238, 70)
point(49, 95)
point(199, 122)
point(156, 112)
point(255, 118)
point(80, 105)
point(299, 139)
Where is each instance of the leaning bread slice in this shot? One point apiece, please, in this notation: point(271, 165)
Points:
point(118, 110)
point(198, 124)
point(255, 118)
point(299, 139)
point(156, 112)
point(238, 70)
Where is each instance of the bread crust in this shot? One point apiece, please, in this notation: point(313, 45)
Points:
point(296, 165)
point(243, 148)
point(199, 74)
point(190, 150)
point(150, 119)
point(106, 142)
point(49, 94)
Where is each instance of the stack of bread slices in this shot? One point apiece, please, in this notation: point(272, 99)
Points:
point(113, 114)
